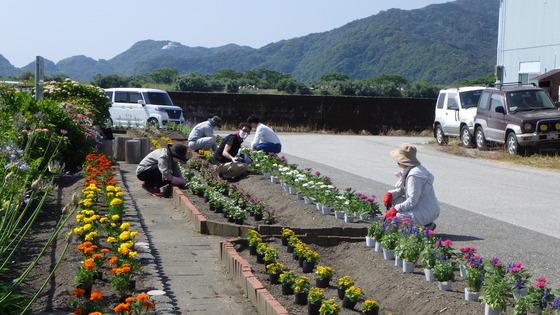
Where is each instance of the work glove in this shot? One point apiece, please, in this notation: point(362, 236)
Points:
point(388, 200)
point(391, 213)
point(178, 181)
point(235, 160)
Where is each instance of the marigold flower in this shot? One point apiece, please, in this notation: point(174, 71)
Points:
point(125, 235)
point(116, 201)
point(96, 296)
point(129, 299)
point(123, 307)
point(78, 292)
point(88, 264)
point(111, 239)
point(115, 217)
point(113, 260)
point(96, 313)
point(148, 304)
point(105, 250)
point(77, 311)
point(132, 254)
point(142, 297)
point(125, 226)
point(96, 256)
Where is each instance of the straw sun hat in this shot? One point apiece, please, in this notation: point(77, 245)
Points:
point(405, 155)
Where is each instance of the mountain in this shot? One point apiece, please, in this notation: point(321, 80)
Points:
point(441, 43)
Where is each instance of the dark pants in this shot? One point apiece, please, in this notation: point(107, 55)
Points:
point(152, 177)
point(269, 147)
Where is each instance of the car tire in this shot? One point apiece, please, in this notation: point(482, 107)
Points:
point(441, 139)
point(512, 146)
point(466, 138)
point(153, 121)
point(480, 139)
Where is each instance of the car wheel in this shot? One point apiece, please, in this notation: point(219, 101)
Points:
point(440, 136)
point(466, 138)
point(481, 143)
point(152, 121)
point(512, 146)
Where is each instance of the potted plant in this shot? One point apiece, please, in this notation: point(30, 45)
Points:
point(411, 246)
point(429, 258)
point(324, 276)
point(539, 295)
point(389, 243)
point(301, 288)
point(474, 272)
point(314, 299)
point(311, 258)
point(351, 296)
point(287, 278)
point(370, 307)
point(444, 275)
point(269, 217)
point(286, 235)
point(343, 284)
point(329, 307)
point(463, 257)
point(495, 288)
point(274, 270)
point(518, 278)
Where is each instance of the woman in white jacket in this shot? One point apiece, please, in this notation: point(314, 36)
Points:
point(413, 196)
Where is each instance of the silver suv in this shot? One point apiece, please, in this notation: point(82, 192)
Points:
point(519, 116)
point(455, 111)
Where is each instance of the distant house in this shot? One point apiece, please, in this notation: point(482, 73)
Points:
point(529, 43)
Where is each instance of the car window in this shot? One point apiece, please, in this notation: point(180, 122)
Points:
point(452, 101)
point(496, 101)
point(470, 98)
point(158, 98)
point(529, 100)
point(109, 94)
point(134, 97)
point(483, 100)
point(121, 97)
point(440, 100)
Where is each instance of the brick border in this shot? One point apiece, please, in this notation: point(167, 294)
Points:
point(319, 236)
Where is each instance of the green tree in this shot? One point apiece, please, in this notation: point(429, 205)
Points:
point(192, 82)
point(164, 75)
point(334, 76)
point(421, 89)
point(111, 81)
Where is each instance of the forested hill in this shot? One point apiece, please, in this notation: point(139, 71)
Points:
point(441, 43)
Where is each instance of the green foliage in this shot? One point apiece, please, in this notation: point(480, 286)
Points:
point(443, 271)
point(114, 81)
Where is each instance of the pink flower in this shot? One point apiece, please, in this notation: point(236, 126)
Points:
point(448, 243)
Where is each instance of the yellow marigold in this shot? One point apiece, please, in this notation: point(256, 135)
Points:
point(134, 234)
point(110, 188)
point(79, 217)
point(110, 194)
point(125, 235)
point(116, 201)
point(87, 203)
point(119, 194)
point(78, 230)
point(132, 254)
point(90, 196)
point(125, 226)
point(91, 236)
point(113, 225)
point(87, 227)
point(115, 217)
point(111, 239)
point(104, 219)
point(117, 188)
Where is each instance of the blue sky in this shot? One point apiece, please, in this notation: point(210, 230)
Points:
point(102, 29)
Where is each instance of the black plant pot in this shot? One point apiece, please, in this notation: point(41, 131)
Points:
point(287, 289)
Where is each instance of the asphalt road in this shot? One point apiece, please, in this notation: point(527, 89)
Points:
point(509, 212)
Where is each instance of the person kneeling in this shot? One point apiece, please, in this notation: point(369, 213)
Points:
point(229, 164)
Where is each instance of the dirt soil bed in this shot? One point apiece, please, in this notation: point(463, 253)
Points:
point(381, 280)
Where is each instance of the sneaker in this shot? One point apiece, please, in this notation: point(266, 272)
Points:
point(152, 190)
point(431, 226)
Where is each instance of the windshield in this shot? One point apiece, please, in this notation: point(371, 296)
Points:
point(529, 100)
point(158, 98)
point(470, 98)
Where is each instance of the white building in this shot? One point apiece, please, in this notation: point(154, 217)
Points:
point(529, 43)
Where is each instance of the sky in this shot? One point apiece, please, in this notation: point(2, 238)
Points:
point(102, 29)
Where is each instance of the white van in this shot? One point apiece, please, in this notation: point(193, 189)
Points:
point(454, 114)
point(139, 107)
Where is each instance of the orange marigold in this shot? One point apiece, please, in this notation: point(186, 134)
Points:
point(142, 297)
point(78, 292)
point(129, 299)
point(96, 296)
point(77, 311)
point(148, 304)
point(123, 307)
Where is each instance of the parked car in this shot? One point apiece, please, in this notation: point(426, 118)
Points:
point(520, 116)
point(455, 111)
point(139, 107)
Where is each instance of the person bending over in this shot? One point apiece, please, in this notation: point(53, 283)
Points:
point(161, 168)
point(228, 163)
point(202, 135)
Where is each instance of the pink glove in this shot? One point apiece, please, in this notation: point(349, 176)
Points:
point(178, 181)
point(388, 200)
point(391, 213)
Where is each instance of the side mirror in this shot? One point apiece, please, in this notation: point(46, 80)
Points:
point(500, 109)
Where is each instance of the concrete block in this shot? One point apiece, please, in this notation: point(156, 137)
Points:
point(132, 152)
point(119, 148)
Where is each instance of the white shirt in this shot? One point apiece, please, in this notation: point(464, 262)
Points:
point(264, 134)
